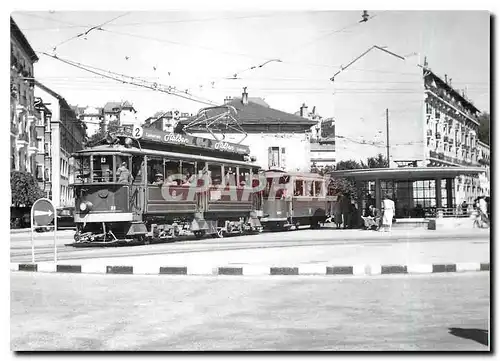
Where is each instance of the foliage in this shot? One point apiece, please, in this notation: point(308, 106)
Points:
point(484, 128)
point(101, 133)
point(377, 162)
point(323, 170)
point(350, 164)
point(338, 185)
point(24, 189)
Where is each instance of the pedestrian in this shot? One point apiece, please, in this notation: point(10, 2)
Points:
point(123, 174)
point(337, 212)
point(346, 210)
point(482, 207)
point(388, 208)
point(372, 219)
point(464, 207)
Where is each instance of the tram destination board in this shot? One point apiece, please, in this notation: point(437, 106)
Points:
point(158, 136)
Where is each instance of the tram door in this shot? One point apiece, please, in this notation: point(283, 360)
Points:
point(137, 190)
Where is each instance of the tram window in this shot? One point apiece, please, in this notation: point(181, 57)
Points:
point(244, 176)
point(308, 185)
point(122, 171)
point(230, 175)
point(215, 173)
point(298, 189)
point(200, 168)
point(83, 169)
point(137, 162)
point(102, 168)
point(188, 172)
point(172, 172)
point(155, 171)
point(317, 188)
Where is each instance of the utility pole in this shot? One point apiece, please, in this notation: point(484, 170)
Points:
point(387, 132)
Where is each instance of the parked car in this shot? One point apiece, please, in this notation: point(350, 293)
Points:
point(65, 218)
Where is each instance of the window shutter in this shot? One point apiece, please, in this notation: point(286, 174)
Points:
point(283, 158)
point(269, 157)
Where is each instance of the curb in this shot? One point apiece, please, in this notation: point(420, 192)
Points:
point(306, 269)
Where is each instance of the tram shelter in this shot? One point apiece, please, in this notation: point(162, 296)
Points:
point(418, 192)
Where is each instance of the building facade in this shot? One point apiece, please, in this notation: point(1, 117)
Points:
point(68, 133)
point(322, 141)
point(44, 153)
point(91, 116)
point(451, 136)
point(166, 120)
point(123, 112)
point(23, 116)
point(423, 119)
point(277, 139)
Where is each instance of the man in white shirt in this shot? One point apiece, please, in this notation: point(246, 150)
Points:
point(388, 209)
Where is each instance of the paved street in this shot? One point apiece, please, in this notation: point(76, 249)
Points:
point(322, 245)
point(90, 312)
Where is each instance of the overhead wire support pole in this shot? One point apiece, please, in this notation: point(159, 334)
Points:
point(388, 147)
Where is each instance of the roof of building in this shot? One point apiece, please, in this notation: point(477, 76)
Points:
point(257, 113)
point(114, 107)
point(446, 85)
point(407, 173)
point(18, 34)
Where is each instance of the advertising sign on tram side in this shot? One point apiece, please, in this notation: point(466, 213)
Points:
point(156, 135)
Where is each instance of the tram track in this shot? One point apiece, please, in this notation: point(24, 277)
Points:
point(45, 253)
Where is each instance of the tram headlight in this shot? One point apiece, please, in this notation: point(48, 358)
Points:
point(85, 206)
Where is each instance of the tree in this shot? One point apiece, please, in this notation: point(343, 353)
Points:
point(484, 128)
point(24, 189)
point(350, 164)
point(377, 162)
point(101, 133)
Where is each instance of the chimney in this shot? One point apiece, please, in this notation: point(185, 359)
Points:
point(450, 82)
point(303, 110)
point(425, 62)
point(227, 100)
point(244, 96)
point(446, 78)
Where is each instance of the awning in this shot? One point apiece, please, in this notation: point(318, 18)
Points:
point(410, 173)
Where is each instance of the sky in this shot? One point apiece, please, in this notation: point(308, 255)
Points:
point(198, 52)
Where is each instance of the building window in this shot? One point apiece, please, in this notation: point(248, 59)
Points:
point(39, 172)
point(276, 157)
point(40, 145)
point(438, 115)
point(428, 108)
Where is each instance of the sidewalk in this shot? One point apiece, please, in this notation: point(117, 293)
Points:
point(372, 258)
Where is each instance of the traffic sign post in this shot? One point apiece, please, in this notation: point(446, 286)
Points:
point(43, 215)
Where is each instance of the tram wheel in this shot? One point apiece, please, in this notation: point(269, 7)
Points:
point(199, 234)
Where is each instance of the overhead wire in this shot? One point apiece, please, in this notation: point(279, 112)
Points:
point(96, 27)
point(132, 81)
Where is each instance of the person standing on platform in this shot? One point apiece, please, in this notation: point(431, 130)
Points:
point(388, 208)
point(345, 205)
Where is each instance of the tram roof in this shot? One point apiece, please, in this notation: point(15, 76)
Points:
point(280, 173)
point(412, 173)
point(121, 149)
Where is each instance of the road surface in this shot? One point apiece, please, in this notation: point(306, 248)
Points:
point(20, 249)
point(117, 312)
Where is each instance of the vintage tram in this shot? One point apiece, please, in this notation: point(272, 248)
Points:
point(144, 185)
point(292, 199)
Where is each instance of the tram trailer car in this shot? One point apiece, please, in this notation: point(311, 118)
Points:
point(148, 186)
point(294, 199)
